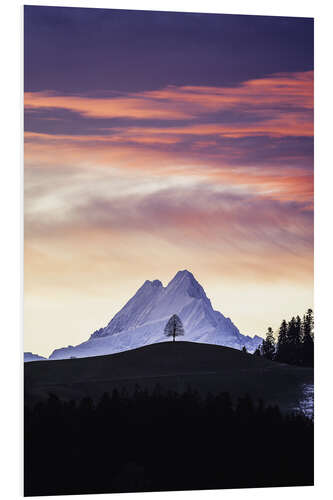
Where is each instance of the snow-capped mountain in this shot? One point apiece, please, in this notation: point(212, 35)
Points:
point(141, 321)
point(29, 356)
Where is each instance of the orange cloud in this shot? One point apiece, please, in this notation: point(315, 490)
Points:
point(280, 184)
point(293, 90)
point(116, 107)
point(283, 104)
point(292, 125)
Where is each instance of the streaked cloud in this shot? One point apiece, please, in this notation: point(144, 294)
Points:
point(276, 107)
point(293, 90)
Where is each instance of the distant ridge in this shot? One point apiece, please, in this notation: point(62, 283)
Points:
point(141, 321)
point(29, 356)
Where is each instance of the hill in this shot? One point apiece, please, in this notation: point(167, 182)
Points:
point(172, 365)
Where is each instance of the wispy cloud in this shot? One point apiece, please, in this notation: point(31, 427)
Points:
point(292, 90)
point(277, 106)
point(257, 134)
point(225, 215)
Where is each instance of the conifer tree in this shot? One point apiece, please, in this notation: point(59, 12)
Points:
point(298, 330)
point(281, 348)
point(295, 343)
point(294, 335)
point(308, 339)
point(268, 345)
point(257, 352)
point(308, 324)
point(291, 330)
point(298, 341)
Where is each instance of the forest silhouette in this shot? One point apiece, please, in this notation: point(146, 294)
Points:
point(294, 344)
point(161, 441)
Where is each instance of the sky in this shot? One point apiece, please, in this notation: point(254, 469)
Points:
point(160, 141)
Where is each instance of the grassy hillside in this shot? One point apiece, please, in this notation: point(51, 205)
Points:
point(207, 368)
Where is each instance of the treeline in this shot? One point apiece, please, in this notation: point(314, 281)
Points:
point(294, 344)
point(163, 441)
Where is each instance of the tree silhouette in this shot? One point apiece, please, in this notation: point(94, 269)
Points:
point(257, 352)
point(282, 343)
point(295, 342)
point(145, 443)
point(307, 340)
point(244, 349)
point(268, 345)
point(294, 337)
point(174, 327)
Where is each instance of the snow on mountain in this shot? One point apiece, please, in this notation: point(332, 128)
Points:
point(29, 356)
point(141, 321)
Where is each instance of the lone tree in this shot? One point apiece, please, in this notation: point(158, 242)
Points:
point(174, 327)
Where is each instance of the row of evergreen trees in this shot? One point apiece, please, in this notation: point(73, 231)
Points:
point(294, 344)
point(162, 440)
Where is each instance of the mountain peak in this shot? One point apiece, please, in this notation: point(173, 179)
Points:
point(156, 283)
point(149, 284)
point(185, 282)
point(184, 272)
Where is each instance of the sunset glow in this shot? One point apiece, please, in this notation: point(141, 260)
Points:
point(136, 172)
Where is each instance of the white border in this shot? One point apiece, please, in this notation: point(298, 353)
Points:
point(11, 232)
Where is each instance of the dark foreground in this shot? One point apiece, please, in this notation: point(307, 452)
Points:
point(163, 441)
point(173, 365)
